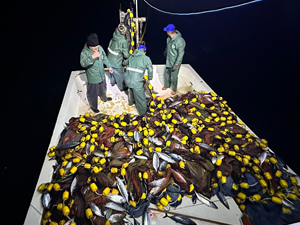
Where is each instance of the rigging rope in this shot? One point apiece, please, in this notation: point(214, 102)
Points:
point(145, 28)
point(201, 12)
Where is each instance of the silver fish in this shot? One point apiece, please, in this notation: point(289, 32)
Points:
point(136, 136)
point(116, 198)
point(134, 117)
point(205, 200)
point(140, 156)
point(130, 148)
point(87, 148)
point(127, 221)
point(220, 156)
point(68, 166)
point(289, 172)
point(288, 204)
point(171, 99)
point(156, 141)
point(176, 157)
point(57, 167)
point(167, 128)
point(158, 182)
point(115, 218)
point(96, 209)
point(222, 199)
point(131, 161)
point(191, 126)
point(107, 213)
point(146, 217)
point(214, 159)
point(46, 200)
point(205, 146)
point(153, 192)
point(169, 135)
point(176, 138)
point(73, 185)
point(126, 138)
point(67, 145)
point(69, 221)
point(115, 206)
point(145, 153)
point(122, 188)
point(163, 165)
point(99, 154)
point(262, 157)
point(181, 219)
point(131, 195)
point(165, 157)
point(147, 95)
point(155, 161)
point(67, 178)
point(177, 146)
point(174, 104)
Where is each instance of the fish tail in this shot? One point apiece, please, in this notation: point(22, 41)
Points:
point(165, 215)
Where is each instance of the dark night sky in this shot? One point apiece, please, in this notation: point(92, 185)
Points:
point(248, 55)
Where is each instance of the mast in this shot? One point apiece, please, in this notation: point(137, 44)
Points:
point(137, 23)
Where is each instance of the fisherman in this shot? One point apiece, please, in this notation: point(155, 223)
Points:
point(137, 63)
point(174, 53)
point(117, 51)
point(92, 58)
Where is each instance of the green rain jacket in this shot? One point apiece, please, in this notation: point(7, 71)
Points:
point(175, 50)
point(137, 63)
point(117, 50)
point(94, 67)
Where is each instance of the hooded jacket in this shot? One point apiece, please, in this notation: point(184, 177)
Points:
point(137, 63)
point(94, 67)
point(175, 50)
point(117, 50)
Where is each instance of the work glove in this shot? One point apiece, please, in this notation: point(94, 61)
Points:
point(175, 67)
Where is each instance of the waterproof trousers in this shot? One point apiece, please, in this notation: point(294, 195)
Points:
point(171, 78)
point(137, 96)
point(95, 90)
point(117, 77)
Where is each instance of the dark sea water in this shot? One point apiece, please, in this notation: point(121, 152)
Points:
point(248, 55)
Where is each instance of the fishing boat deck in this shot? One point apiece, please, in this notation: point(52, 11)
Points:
point(75, 104)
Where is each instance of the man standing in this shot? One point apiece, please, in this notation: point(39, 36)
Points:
point(117, 50)
point(137, 63)
point(174, 53)
point(92, 58)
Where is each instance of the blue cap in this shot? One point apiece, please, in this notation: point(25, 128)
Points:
point(142, 47)
point(170, 27)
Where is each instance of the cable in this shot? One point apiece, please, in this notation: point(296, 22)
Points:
point(202, 12)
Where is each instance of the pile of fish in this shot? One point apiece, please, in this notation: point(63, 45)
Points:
point(110, 168)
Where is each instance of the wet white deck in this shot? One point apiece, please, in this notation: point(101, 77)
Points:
point(75, 104)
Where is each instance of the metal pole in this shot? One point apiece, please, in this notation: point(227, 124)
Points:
point(137, 23)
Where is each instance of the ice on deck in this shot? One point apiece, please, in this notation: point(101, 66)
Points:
point(75, 104)
point(188, 80)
